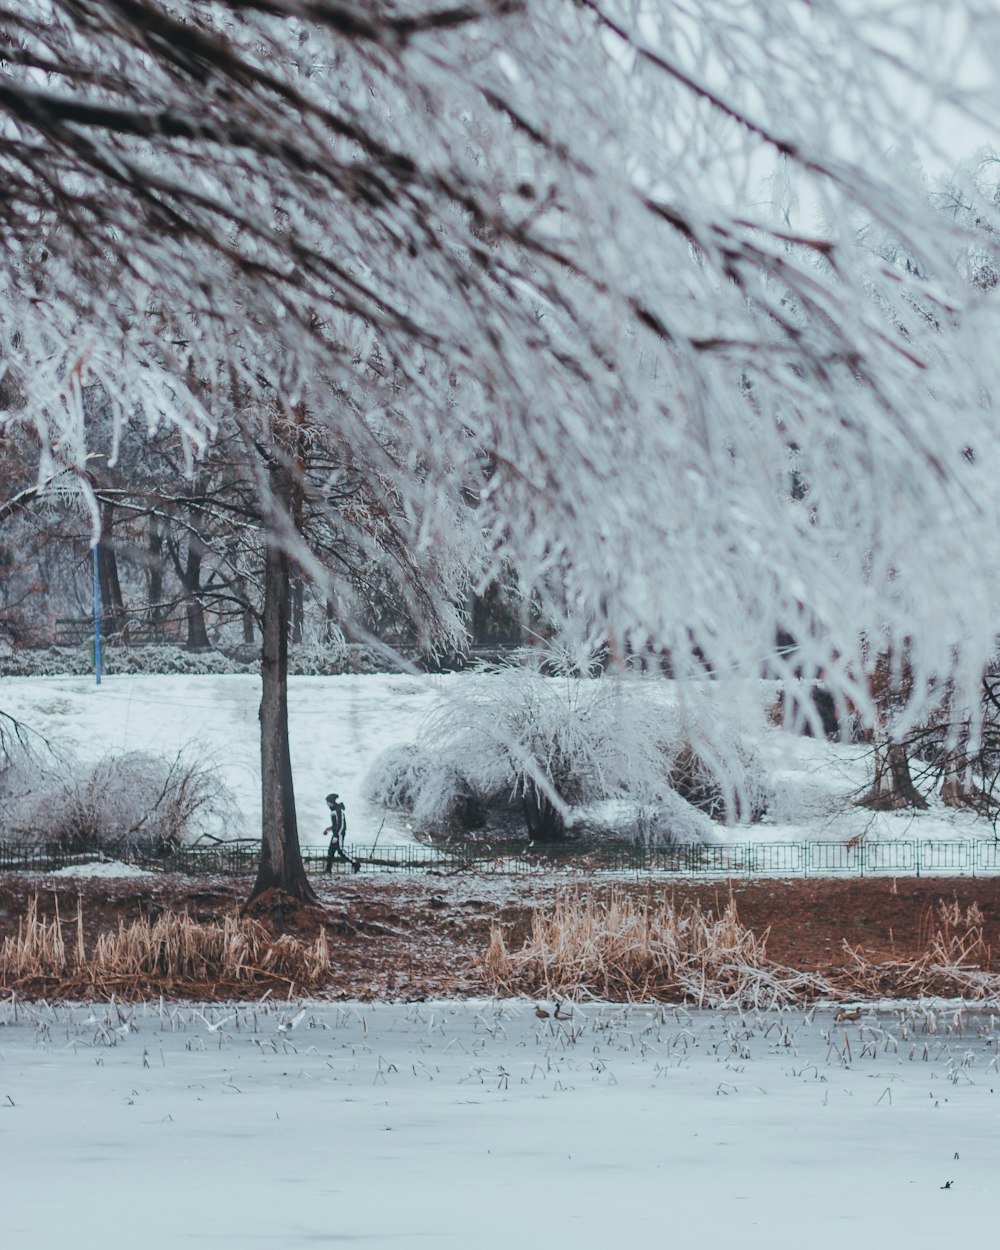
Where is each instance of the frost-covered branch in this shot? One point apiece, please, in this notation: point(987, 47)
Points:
point(657, 298)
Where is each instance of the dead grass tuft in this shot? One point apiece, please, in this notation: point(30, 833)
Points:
point(956, 961)
point(37, 950)
point(618, 948)
point(173, 949)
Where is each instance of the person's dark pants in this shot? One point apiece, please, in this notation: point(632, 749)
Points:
point(336, 851)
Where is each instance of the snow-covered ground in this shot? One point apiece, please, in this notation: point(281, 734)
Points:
point(814, 784)
point(340, 724)
point(480, 1126)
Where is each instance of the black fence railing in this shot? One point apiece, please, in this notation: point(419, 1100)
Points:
point(781, 859)
point(136, 630)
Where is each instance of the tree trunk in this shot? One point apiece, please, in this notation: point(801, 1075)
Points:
point(197, 630)
point(298, 598)
point(154, 572)
point(544, 820)
point(959, 790)
point(281, 866)
point(893, 786)
point(246, 615)
point(113, 608)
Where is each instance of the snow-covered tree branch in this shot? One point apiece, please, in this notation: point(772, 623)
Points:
point(662, 293)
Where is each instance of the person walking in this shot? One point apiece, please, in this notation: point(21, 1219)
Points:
point(337, 829)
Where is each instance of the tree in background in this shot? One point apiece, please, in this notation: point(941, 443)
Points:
point(548, 221)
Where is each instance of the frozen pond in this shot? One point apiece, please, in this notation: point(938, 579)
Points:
point(482, 1125)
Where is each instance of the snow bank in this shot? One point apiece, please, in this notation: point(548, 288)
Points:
point(101, 868)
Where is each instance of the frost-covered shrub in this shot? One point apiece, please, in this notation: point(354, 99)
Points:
point(410, 779)
point(512, 739)
point(668, 820)
point(304, 659)
point(710, 757)
point(328, 659)
point(730, 788)
point(159, 658)
point(128, 798)
point(51, 662)
point(547, 743)
point(673, 821)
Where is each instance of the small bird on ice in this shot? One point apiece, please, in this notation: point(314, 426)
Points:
point(540, 1012)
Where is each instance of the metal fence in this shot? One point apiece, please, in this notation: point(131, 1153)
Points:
point(745, 859)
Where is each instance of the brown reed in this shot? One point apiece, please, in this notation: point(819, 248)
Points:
point(621, 949)
point(173, 948)
point(956, 962)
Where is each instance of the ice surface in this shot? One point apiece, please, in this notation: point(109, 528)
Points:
point(484, 1126)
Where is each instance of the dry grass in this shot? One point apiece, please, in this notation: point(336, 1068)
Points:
point(173, 949)
point(38, 949)
point(618, 948)
point(956, 961)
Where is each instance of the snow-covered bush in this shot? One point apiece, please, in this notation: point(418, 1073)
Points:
point(327, 659)
point(728, 788)
point(305, 659)
point(126, 798)
point(673, 821)
point(510, 738)
point(426, 784)
point(549, 742)
point(165, 659)
point(713, 759)
point(667, 820)
point(50, 662)
point(159, 658)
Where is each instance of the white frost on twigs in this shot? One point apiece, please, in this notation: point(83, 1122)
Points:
point(525, 271)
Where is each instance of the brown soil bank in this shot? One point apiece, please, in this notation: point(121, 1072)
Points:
point(419, 936)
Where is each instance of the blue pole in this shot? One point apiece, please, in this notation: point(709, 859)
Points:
point(97, 620)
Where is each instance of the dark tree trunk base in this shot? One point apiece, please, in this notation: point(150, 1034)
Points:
point(283, 908)
point(893, 788)
point(280, 867)
point(889, 801)
point(957, 793)
point(543, 819)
